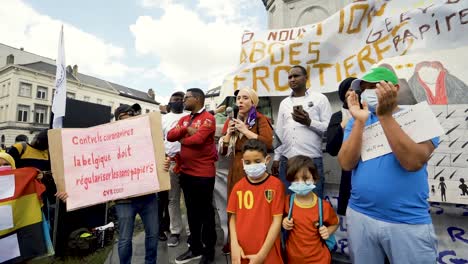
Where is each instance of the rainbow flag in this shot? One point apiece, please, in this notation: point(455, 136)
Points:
point(23, 234)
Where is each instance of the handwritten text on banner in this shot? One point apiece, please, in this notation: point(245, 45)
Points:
point(418, 121)
point(346, 44)
point(109, 162)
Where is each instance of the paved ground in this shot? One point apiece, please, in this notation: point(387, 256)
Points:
point(165, 254)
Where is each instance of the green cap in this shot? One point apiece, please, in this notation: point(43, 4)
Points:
point(375, 75)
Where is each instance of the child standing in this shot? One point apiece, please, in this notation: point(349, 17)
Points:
point(256, 209)
point(305, 243)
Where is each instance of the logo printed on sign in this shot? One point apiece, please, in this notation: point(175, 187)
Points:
point(269, 194)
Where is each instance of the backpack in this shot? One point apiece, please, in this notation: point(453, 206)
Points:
point(331, 241)
point(81, 242)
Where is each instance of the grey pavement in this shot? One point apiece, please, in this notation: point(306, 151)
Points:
point(165, 254)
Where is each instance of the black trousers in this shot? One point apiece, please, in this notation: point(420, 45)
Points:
point(163, 211)
point(198, 194)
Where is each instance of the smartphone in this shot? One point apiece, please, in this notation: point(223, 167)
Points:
point(298, 108)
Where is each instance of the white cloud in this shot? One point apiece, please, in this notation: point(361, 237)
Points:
point(155, 3)
point(39, 34)
point(229, 10)
point(190, 49)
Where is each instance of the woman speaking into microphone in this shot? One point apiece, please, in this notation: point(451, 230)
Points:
point(248, 124)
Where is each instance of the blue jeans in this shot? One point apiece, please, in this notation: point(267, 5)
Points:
point(147, 207)
point(370, 240)
point(283, 169)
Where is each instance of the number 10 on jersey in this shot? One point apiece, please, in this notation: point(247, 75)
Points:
point(246, 199)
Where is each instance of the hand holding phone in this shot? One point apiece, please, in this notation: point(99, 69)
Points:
point(298, 108)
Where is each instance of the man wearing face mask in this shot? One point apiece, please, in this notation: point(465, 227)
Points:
point(175, 113)
point(387, 214)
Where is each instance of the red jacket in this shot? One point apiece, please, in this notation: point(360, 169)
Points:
point(198, 152)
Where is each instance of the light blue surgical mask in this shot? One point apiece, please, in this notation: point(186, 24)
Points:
point(255, 171)
point(302, 188)
point(370, 97)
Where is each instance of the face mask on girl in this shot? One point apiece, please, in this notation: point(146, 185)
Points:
point(255, 171)
point(302, 188)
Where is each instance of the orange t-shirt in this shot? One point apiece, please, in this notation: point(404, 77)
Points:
point(254, 205)
point(304, 244)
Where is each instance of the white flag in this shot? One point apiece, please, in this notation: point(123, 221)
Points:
point(60, 98)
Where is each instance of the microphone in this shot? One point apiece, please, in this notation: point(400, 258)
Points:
point(235, 111)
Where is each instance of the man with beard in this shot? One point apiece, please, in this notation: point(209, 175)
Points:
point(195, 133)
point(303, 118)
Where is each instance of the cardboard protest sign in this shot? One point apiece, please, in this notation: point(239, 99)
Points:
point(108, 162)
point(346, 44)
point(418, 122)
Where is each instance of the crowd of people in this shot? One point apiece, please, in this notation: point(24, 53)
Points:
point(279, 216)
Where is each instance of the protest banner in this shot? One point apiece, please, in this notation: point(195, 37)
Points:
point(108, 162)
point(346, 44)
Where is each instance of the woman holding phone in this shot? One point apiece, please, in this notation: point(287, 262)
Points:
point(248, 124)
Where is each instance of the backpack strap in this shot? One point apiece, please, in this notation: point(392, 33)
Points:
point(320, 211)
point(291, 204)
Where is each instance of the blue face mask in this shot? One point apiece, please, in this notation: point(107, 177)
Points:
point(301, 188)
point(255, 171)
point(370, 97)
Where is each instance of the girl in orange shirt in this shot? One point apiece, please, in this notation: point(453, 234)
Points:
point(306, 240)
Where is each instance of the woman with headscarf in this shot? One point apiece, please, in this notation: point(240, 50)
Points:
point(335, 131)
point(249, 124)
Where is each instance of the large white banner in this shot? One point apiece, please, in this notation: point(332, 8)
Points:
point(347, 43)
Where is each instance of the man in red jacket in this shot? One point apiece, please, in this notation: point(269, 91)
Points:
point(198, 154)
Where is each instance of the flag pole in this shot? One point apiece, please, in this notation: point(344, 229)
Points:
point(58, 111)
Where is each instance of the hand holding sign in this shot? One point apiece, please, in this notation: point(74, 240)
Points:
point(387, 96)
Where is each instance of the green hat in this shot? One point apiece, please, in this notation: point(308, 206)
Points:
point(375, 75)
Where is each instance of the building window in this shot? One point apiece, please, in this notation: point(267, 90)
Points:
point(86, 98)
point(147, 111)
point(23, 111)
point(40, 114)
point(71, 95)
point(99, 101)
point(25, 89)
point(41, 92)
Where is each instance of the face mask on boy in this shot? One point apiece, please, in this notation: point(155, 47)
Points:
point(302, 188)
point(255, 171)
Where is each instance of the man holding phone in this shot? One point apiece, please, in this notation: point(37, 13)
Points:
point(303, 118)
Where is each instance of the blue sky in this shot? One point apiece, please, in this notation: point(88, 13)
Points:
point(166, 45)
